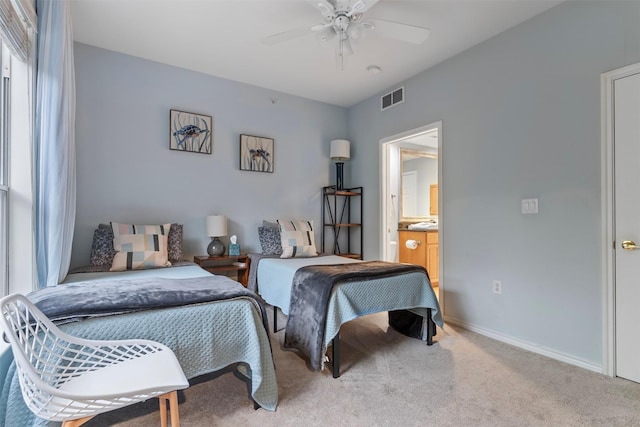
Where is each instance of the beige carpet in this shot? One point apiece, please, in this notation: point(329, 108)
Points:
point(387, 379)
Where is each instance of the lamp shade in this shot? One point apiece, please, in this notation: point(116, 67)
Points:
point(216, 225)
point(340, 150)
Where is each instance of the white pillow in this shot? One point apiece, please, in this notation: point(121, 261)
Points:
point(297, 239)
point(139, 246)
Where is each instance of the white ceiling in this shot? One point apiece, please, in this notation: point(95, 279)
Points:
point(223, 38)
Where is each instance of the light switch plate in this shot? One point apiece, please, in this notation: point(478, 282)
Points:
point(529, 206)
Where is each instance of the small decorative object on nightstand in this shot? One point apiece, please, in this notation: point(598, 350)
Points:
point(236, 267)
point(216, 227)
point(234, 248)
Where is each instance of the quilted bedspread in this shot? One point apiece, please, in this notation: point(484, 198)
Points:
point(311, 289)
point(352, 299)
point(205, 337)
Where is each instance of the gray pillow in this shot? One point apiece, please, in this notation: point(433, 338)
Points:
point(270, 240)
point(269, 224)
point(174, 243)
point(102, 251)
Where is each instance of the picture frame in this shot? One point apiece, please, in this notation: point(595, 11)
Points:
point(190, 132)
point(256, 153)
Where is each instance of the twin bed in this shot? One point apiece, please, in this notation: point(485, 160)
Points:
point(359, 288)
point(212, 322)
point(207, 331)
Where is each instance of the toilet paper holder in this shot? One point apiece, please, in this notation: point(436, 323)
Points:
point(412, 244)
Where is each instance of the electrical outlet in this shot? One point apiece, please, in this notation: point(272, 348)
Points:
point(497, 287)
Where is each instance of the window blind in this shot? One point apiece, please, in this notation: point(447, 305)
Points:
point(14, 25)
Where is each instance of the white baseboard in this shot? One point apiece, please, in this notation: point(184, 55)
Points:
point(534, 348)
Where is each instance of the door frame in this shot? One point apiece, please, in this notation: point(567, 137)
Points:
point(385, 167)
point(607, 81)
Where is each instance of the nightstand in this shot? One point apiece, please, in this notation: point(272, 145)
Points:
point(235, 266)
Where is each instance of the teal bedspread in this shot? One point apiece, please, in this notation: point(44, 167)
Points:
point(349, 300)
point(205, 337)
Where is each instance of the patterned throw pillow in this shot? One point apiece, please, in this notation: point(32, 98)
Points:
point(297, 239)
point(139, 246)
point(174, 243)
point(102, 251)
point(270, 240)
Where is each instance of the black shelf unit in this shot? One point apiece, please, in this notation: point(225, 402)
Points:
point(342, 221)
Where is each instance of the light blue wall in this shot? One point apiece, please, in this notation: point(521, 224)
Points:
point(126, 172)
point(521, 119)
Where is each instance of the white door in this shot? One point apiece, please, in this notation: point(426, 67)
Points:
point(410, 193)
point(627, 225)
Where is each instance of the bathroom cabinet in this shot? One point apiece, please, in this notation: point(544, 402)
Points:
point(425, 252)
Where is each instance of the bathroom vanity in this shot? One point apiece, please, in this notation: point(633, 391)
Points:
point(421, 248)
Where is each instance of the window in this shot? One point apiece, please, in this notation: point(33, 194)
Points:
point(4, 171)
point(17, 36)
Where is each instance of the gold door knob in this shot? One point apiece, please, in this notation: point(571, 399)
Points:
point(629, 245)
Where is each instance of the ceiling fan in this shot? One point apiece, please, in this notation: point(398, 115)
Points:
point(343, 22)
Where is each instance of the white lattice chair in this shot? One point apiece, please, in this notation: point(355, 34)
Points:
point(68, 379)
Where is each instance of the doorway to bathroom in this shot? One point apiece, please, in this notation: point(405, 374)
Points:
point(399, 153)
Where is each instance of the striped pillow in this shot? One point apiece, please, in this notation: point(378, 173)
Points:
point(297, 239)
point(139, 246)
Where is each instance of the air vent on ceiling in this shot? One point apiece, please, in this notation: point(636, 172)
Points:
point(392, 98)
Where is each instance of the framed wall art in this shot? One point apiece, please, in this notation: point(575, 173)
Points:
point(256, 153)
point(190, 132)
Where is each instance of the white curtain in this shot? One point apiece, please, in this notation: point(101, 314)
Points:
point(54, 153)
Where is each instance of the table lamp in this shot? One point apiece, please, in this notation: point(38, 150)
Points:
point(216, 227)
point(339, 153)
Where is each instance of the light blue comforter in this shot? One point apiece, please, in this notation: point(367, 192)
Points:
point(235, 335)
point(272, 277)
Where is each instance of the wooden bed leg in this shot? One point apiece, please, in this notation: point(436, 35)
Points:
point(430, 327)
point(335, 355)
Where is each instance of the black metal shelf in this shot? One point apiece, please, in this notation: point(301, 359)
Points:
point(342, 221)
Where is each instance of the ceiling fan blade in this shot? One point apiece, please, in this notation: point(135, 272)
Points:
point(320, 27)
point(403, 32)
point(327, 9)
point(357, 7)
point(286, 35)
point(361, 6)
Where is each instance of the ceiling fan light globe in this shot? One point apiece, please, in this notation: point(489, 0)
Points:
point(355, 31)
point(325, 37)
point(347, 49)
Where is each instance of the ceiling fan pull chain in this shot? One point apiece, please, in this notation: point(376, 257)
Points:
point(341, 52)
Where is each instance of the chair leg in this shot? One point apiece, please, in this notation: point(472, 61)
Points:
point(163, 410)
point(76, 423)
point(172, 398)
point(173, 408)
